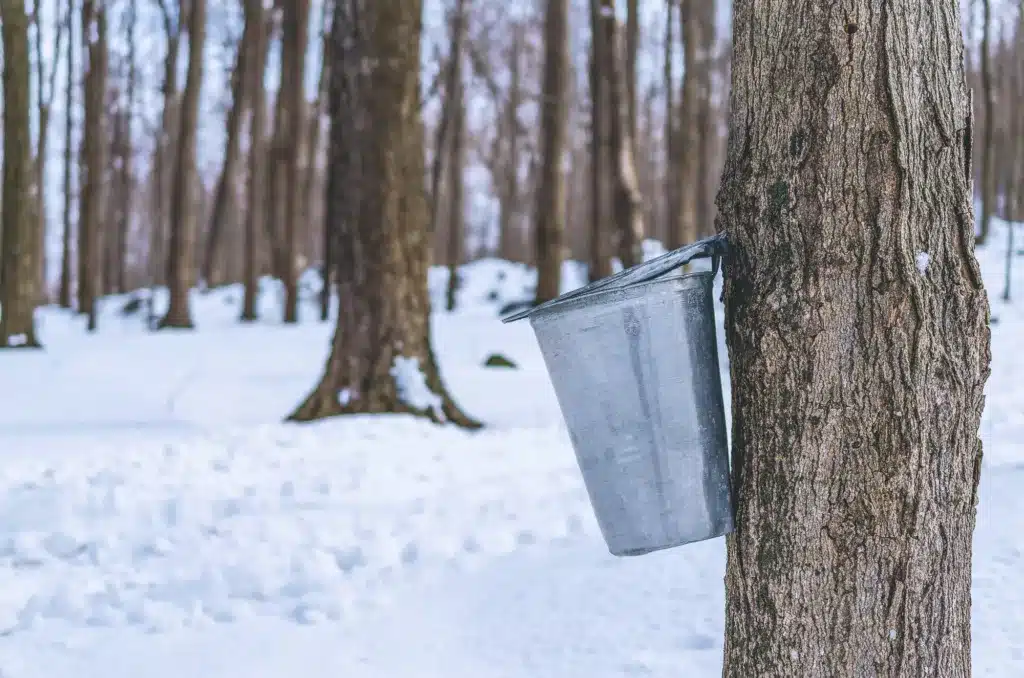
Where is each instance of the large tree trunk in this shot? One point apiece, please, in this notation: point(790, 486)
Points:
point(181, 245)
point(258, 46)
point(224, 194)
point(381, 358)
point(94, 154)
point(64, 295)
point(550, 210)
point(857, 328)
point(19, 240)
point(988, 179)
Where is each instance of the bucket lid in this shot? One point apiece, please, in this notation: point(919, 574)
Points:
point(714, 246)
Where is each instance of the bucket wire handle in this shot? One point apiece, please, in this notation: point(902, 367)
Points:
point(714, 247)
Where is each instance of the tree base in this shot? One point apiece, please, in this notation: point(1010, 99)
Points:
point(172, 323)
point(32, 344)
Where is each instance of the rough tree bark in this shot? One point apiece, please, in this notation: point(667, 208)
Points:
point(549, 231)
point(258, 46)
point(94, 158)
point(19, 240)
point(64, 295)
point(181, 244)
point(988, 183)
point(224, 194)
point(626, 199)
point(857, 328)
point(381, 357)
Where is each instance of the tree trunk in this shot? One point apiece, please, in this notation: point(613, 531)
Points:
point(550, 210)
point(671, 190)
point(457, 161)
point(988, 183)
point(127, 153)
point(632, 47)
point(626, 198)
point(181, 245)
point(259, 43)
point(707, 129)
point(19, 240)
point(381, 358)
point(94, 155)
point(311, 174)
point(294, 36)
point(224, 194)
point(858, 343)
point(64, 296)
point(687, 144)
point(600, 264)
point(164, 154)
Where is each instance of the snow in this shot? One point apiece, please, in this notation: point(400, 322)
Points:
point(922, 260)
point(158, 519)
point(412, 385)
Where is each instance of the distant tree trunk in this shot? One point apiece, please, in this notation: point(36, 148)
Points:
point(64, 296)
point(224, 194)
point(600, 264)
point(45, 88)
point(19, 240)
point(381, 358)
point(294, 36)
point(126, 153)
point(687, 145)
point(312, 155)
point(671, 190)
point(988, 197)
point(550, 210)
point(510, 237)
point(707, 133)
point(857, 325)
point(164, 153)
point(181, 246)
point(258, 46)
point(456, 167)
point(626, 199)
point(94, 159)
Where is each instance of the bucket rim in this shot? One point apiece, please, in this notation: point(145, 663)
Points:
point(714, 246)
point(559, 305)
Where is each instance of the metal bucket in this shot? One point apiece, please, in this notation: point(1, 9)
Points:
point(634, 363)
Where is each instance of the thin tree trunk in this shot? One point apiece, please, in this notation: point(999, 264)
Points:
point(20, 241)
point(164, 155)
point(456, 206)
point(510, 236)
point(181, 245)
point(988, 178)
point(381, 358)
point(65, 296)
point(687, 144)
point(224, 193)
point(632, 48)
point(260, 42)
point(707, 134)
point(857, 325)
point(94, 153)
point(127, 152)
point(600, 264)
point(294, 36)
point(671, 195)
point(550, 196)
point(626, 198)
point(312, 155)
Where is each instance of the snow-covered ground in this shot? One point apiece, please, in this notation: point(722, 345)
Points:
point(157, 519)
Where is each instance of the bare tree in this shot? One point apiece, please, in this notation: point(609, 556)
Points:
point(550, 196)
point(20, 238)
point(988, 193)
point(64, 295)
point(94, 157)
point(381, 358)
point(600, 264)
point(183, 198)
point(857, 325)
point(456, 105)
point(258, 45)
point(686, 143)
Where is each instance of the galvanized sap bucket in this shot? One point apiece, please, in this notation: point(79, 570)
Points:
point(634, 362)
